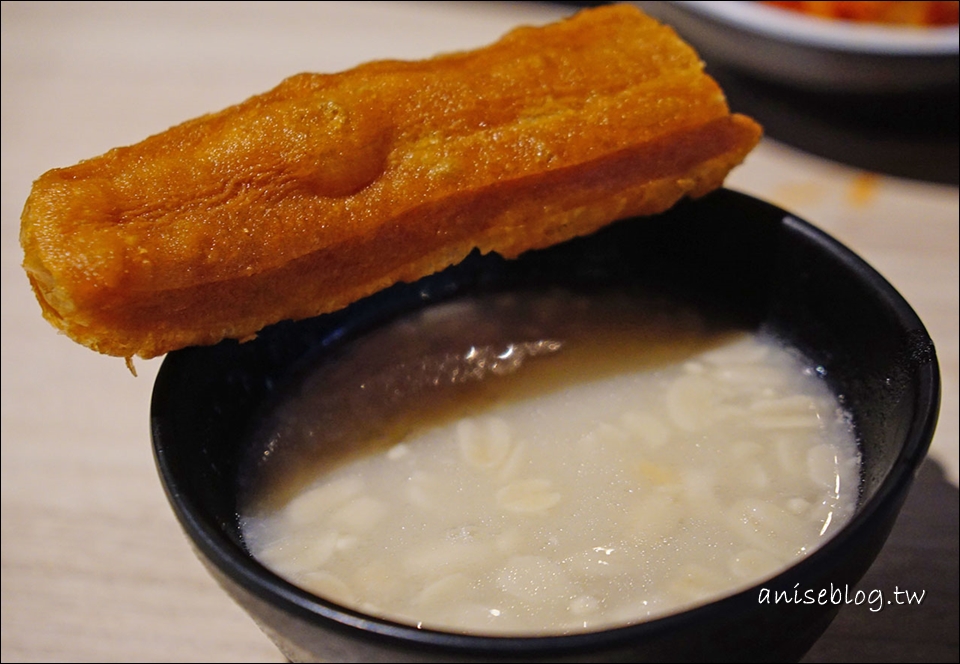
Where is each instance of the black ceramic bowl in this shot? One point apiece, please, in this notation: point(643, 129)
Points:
point(729, 251)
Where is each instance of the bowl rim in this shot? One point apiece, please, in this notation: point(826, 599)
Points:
point(237, 564)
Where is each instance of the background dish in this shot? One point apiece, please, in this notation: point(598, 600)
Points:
point(879, 98)
point(790, 48)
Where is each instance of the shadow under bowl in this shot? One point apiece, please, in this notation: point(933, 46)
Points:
point(726, 252)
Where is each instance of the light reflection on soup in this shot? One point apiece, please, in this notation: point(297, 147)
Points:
point(546, 464)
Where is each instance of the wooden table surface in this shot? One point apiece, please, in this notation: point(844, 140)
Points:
point(94, 566)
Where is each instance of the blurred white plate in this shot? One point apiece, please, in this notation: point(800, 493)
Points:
point(791, 48)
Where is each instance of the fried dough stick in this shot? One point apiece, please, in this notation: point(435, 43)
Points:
point(328, 188)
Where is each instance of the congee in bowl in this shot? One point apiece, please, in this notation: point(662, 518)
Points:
point(609, 449)
point(548, 462)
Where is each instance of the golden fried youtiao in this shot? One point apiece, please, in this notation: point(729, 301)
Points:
point(328, 188)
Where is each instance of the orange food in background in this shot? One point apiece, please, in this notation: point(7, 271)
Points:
point(863, 189)
point(898, 13)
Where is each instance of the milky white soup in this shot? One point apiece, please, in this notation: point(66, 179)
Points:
point(547, 464)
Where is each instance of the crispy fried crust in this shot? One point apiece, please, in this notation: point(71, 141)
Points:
point(328, 188)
